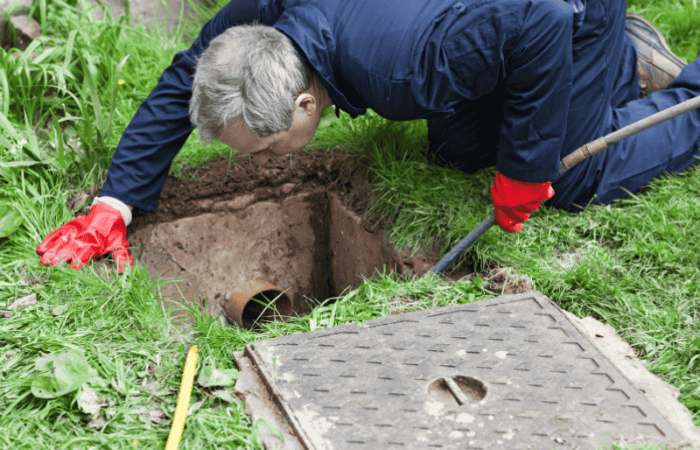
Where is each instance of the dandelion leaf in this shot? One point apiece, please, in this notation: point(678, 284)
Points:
point(10, 220)
point(211, 376)
point(67, 373)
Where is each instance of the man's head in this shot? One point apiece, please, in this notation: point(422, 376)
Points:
point(254, 93)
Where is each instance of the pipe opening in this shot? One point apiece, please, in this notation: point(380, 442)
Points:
point(265, 307)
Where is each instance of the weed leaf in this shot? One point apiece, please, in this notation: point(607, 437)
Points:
point(67, 372)
point(95, 380)
point(224, 395)
point(10, 220)
point(211, 376)
point(45, 387)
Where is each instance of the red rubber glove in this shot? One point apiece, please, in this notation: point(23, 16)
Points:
point(100, 232)
point(514, 201)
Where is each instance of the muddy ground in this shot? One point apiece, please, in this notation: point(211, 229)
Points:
point(219, 181)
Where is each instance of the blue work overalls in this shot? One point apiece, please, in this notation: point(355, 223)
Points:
point(513, 83)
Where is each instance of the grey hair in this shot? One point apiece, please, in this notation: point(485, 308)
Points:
point(253, 71)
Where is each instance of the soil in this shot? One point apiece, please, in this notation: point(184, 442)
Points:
point(219, 185)
point(217, 182)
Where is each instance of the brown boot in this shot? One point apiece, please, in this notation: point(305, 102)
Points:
point(656, 63)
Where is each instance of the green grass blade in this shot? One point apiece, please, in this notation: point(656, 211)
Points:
point(60, 149)
point(114, 93)
point(8, 128)
point(90, 90)
point(70, 44)
point(5, 165)
point(42, 12)
point(46, 55)
point(5, 143)
point(26, 57)
point(87, 10)
point(5, 107)
point(32, 145)
point(127, 12)
point(85, 121)
point(90, 78)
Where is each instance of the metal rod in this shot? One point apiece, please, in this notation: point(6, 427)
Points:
point(465, 243)
point(456, 392)
point(571, 160)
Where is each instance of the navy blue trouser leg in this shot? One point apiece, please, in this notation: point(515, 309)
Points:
point(672, 147)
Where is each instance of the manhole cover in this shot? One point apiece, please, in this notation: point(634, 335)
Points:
point(510, 372)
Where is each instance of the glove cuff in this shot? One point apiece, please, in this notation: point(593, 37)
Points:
point(116, 204)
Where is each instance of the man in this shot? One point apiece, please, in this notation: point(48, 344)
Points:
point(515, 84)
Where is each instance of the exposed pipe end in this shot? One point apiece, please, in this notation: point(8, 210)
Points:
point(256, 301)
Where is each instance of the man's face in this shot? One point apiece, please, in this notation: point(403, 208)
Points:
point(305, 120)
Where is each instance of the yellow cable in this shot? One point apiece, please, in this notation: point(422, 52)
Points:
point(183, 400)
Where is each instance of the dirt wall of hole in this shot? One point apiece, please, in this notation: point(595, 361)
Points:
point(309, 244)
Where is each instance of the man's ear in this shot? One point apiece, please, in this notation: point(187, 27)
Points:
point(306, 102)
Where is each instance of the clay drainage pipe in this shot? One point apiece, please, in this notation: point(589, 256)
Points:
point(256, 301)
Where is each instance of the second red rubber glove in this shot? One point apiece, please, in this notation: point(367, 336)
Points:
point(514, 201)
point(78, 241)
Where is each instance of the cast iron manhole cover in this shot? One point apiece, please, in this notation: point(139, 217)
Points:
point(510, 372)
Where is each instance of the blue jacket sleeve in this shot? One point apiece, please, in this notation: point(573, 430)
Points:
point(159, 129)
point(538, 92)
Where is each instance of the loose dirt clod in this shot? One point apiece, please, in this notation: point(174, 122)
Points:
point(501, 281)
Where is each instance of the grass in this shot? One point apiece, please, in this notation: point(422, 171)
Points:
point(676, 19)
point(632, 264)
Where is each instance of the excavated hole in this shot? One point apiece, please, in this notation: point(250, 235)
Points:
point(295, 224)
point(292, 224)
point(306, 244)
